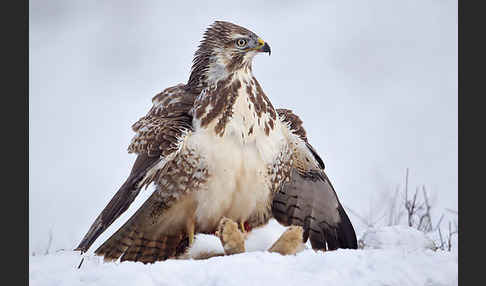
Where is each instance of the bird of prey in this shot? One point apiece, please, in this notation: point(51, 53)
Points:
point(216, 148)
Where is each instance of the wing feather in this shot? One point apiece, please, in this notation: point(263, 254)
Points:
point(157, 137)
point(309, 199)
point(149, 235)
point(120, 201)
point(159, 229)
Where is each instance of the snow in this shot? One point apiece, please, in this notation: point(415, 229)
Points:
point(391, 263)
point(397, 236)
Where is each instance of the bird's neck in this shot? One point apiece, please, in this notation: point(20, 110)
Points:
point(211, 70)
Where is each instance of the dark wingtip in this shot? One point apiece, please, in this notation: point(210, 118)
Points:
point(346, 234)
point(329, 237)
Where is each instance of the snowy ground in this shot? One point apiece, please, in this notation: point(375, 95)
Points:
point(391, 256)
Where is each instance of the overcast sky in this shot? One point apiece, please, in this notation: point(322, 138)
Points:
point(375, 83)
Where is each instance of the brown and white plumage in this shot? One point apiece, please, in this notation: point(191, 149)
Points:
point(216, 147)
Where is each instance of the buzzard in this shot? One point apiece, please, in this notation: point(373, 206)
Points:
point(216, 148)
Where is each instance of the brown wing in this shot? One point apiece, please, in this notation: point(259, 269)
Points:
point(157, 231)
point(161, 226)
point(157, 136)
point(158, 132)
point(309, 199)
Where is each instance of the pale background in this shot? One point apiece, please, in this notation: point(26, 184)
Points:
point(374, 81)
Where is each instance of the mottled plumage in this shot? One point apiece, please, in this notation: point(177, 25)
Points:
point(216, 147)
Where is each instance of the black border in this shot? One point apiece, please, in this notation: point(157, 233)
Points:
point(471, 65)
point(15, 119)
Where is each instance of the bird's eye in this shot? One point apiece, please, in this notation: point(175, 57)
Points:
point(241, 43)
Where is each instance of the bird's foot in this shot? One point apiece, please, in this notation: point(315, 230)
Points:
point(231, 237)
point(290, 242)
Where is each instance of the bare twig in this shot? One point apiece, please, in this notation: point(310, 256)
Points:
point(452, 211)
point(365, 221)
point(411, 207)
point(406, 185)
point(81, 262)
point(49, 242)
point(425, 223)
point(449, 239)
point(439, 222)
point(441, 246)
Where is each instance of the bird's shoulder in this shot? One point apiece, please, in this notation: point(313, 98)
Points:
point(296, 126)
point(158, 132)
point(294, 122)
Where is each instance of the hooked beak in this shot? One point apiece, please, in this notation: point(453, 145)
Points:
point(264, 47)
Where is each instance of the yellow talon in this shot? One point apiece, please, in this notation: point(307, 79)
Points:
point(242, 226)
point(190, 232)
point(191, 237)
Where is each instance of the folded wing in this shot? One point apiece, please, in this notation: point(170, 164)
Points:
point(156, 138)
point(309, 199)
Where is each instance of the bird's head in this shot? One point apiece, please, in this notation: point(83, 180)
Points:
point(224, 49)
